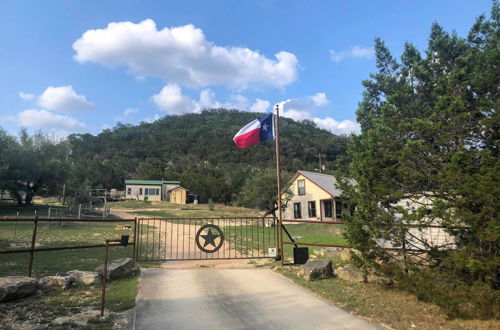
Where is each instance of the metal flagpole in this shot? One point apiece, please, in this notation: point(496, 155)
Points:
point(278, 172)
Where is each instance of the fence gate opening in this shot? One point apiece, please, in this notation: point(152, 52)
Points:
point(161, 239)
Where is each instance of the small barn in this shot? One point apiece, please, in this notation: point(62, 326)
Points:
point(178, 195)
point(155, 190)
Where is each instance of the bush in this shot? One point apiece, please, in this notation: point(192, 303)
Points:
point(457, 298)
point(211, 204)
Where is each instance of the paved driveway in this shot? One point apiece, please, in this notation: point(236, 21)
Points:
point(233, 299)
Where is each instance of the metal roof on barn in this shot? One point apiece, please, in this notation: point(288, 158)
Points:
point(150, 182)
point(324, 181)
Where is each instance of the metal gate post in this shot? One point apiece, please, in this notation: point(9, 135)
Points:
point(134, 255)
point(33, 240)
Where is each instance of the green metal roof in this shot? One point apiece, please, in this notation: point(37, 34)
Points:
point(150, 182)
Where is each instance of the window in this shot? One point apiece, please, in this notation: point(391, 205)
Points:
point(311, 209)
point(338, 209)
point(151, 191)
point(328, 208)
point(140, 191)
point(297, 213)
point(301, 184)
point(129, 191)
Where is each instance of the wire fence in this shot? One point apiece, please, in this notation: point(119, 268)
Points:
point(51, 247)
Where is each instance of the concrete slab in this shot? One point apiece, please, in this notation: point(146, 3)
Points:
point(233, 299)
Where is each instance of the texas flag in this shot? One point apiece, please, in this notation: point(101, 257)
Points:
point(259, 130)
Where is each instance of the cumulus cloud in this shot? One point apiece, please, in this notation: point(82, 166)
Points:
point(172, 100)
point(44, 119)
point(259, 105)
point(182, 55)
point(354, 52)
point(319, 99)
point(26, 96)
point(302, 109)
point(63, 99)
point(336, 127)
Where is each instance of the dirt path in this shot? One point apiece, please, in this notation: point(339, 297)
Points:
point(233, 299)
point(123, 213)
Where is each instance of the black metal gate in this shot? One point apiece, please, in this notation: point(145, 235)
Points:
point(162, 239)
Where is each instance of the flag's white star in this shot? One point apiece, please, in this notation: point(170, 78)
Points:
point(264, 127)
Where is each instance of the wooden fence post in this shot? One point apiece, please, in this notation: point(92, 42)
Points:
point(33, 240)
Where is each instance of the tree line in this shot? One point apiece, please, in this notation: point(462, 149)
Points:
point(430, 131)
point(196, 149)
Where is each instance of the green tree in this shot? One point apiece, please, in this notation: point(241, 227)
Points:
point(32, 165)
point(429, 128)
point(259, 191)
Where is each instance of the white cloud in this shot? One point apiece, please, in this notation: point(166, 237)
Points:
point(173, 101)
point(355, 52)
point(64, 99)
point(26, 96)
point(259, 105)
point(182, 55)
point(336, 127)
point(44, 119)
point(302, 109)
point(129, 111)
point(363, 52)
point(152, 119)
point(319, 99)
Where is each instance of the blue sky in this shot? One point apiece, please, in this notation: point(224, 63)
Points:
point(81, 66)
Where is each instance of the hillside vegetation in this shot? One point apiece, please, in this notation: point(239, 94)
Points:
point(195, 148)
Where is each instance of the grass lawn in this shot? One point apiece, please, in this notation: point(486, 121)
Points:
point(50, 262)
point(386, 305)
point(197, 211)
point(11, 209)
point(262, 237)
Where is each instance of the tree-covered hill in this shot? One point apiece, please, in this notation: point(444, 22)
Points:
point(196, 149)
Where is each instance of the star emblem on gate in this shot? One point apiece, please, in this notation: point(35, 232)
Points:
point(210, 245)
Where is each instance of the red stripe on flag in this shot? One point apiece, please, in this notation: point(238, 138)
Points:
point(248, 139)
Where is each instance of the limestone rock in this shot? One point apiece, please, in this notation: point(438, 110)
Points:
point(330, 251)
point(117, 268)
point(350, 274)
point(17, 287)
point(377, 279)
point(81, 319)
point(315, 269)
point(54, 283)
point(84, 277)
point(346, 254)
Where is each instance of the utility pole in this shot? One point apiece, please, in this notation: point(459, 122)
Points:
point(320, 165)
point(65, 174)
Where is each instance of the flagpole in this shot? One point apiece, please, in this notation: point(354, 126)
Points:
point(278, 172)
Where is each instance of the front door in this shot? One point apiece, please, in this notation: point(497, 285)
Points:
point(327, 208)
